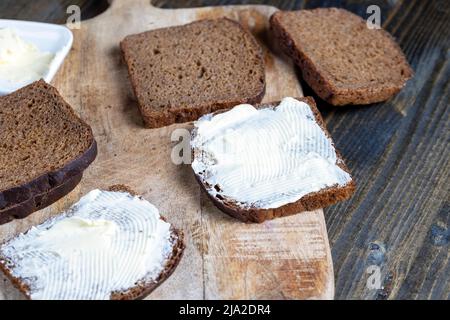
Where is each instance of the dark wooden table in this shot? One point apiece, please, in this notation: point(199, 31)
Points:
point(398, 151)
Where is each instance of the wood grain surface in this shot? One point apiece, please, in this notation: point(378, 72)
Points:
point(286, 258)
point(398, 151)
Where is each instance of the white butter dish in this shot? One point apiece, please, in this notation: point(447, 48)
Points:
point(51, 38)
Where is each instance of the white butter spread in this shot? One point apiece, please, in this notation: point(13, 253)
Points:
point(20, 60)
point(107, 242)
point(265, 158)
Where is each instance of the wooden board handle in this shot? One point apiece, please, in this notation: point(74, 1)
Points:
point(120, 4)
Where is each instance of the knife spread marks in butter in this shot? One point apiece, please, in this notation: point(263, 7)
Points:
point(107, 242)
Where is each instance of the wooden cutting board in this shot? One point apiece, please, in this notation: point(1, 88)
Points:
point(286, 258)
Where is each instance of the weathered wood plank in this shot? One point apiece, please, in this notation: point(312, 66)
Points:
point(399, 153)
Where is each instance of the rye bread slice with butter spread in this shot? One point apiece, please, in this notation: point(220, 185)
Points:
point(249, 212)
point(11, 262)
point(341, 59)
point(180, 73)
point(44, 149)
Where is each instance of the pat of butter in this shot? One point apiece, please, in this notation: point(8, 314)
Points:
point(78, 234)
point(21, 61)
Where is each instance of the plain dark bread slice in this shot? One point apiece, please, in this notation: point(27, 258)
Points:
point(309, 202)
point(43, 145)
point(180, 73)
point(142, 289)
point(341, 59)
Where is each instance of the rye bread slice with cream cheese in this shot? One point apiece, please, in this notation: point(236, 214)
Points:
point(341, 59)
point(180, 73)
point(44, 149)
point(249, 212)
point(141, 288)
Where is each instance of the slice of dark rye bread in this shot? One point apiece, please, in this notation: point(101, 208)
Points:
point(44, 149)
point(180, 73)
point(142, 288)
point(340, 58)
point(309, 202)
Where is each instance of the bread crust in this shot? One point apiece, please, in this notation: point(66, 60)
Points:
point(142, 288)
point(327, 90)
point(309, 202)
point(159, 118)
point(20, 201)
